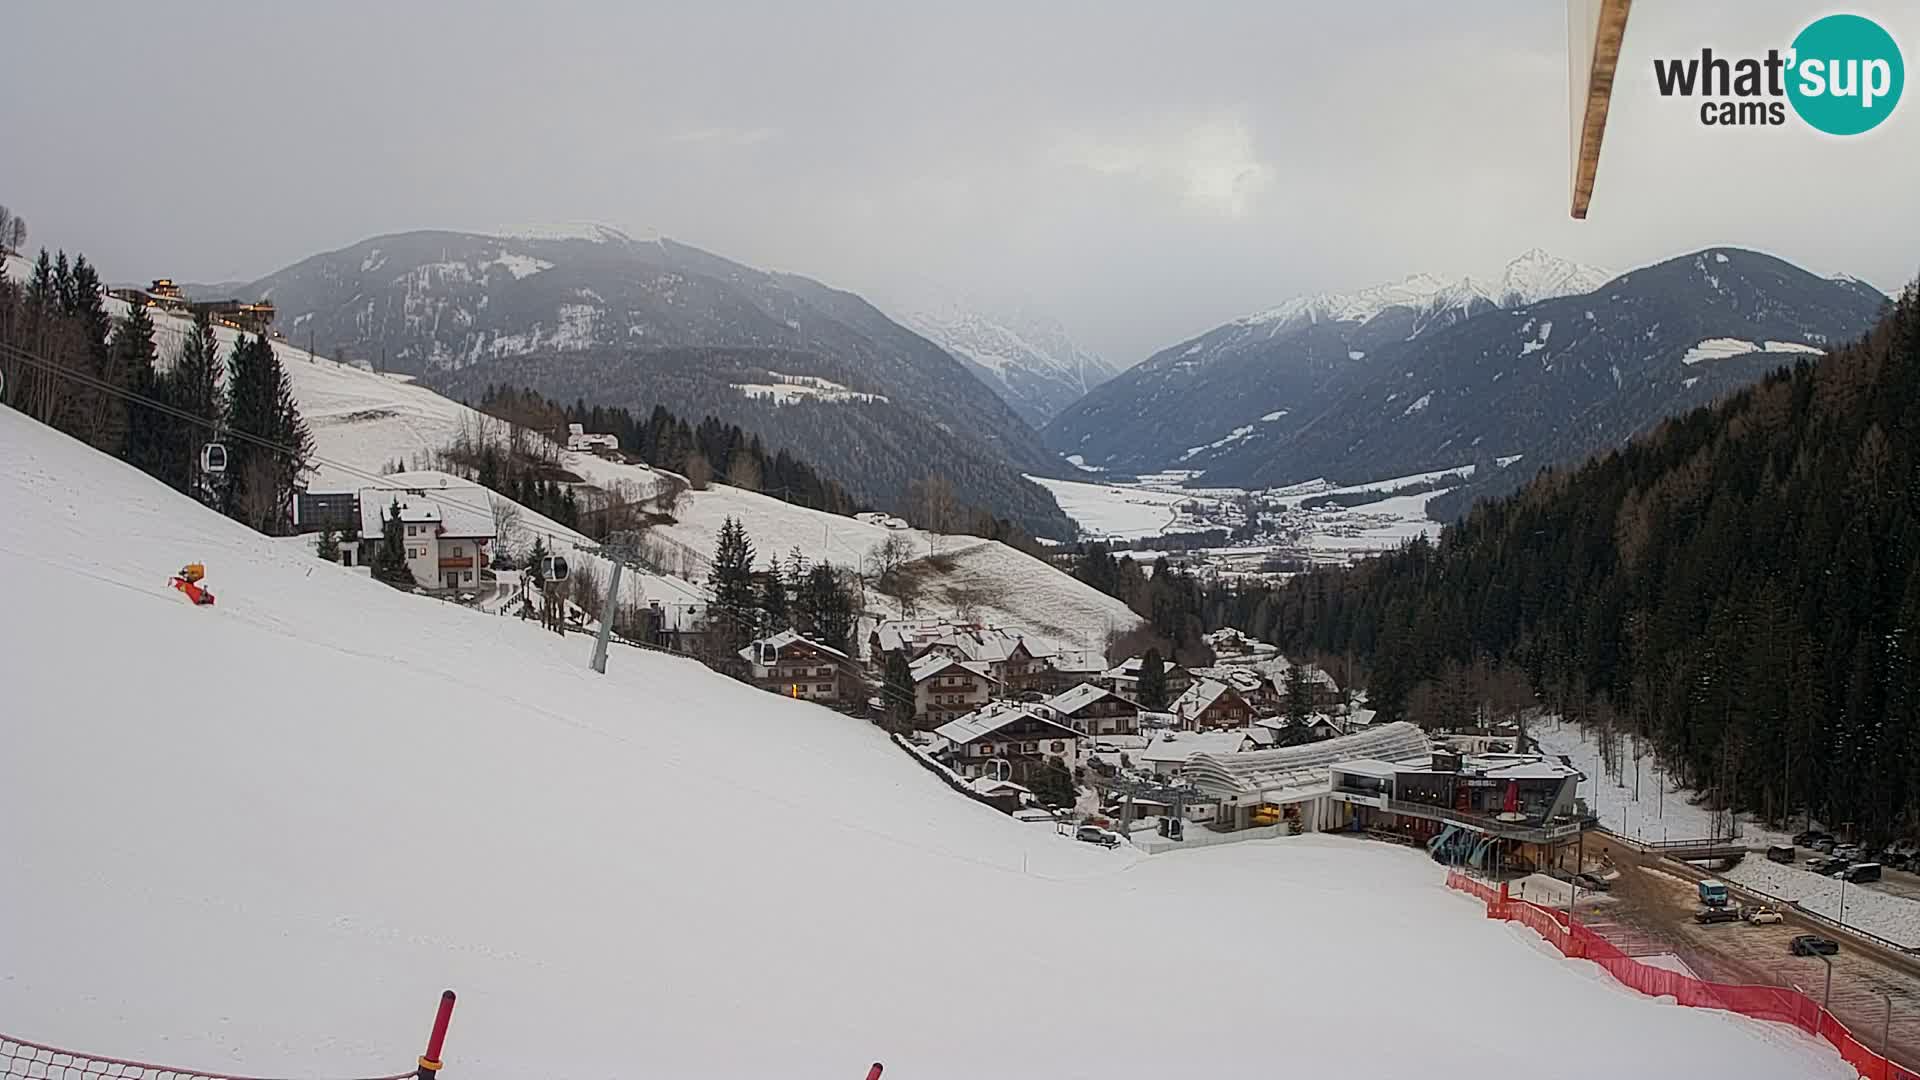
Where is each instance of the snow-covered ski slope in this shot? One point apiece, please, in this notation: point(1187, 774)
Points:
point(261, 837)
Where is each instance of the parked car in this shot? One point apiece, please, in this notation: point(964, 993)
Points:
point(1763, 916)
point(1849, 852)
point(1824, 845)
point(1094, 834)
point(1716, 915)
point(1810, 838)
point(1825, 865)
point(1813, 944)
point(1592, 882)
point(1861, 871)
point(1780, 853)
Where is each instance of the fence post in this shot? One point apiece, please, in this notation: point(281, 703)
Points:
point(430, 1061)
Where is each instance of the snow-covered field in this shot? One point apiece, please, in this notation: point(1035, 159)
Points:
point(1121, 511)
point(1152, 506)
point(261, 838)
point(1653, 817)
point(1896, 918)
point(983, 579)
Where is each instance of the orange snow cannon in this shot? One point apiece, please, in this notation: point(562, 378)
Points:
point(188, 582)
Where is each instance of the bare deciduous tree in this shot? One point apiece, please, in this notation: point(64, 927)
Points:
point(699, 471)
point(13, 230)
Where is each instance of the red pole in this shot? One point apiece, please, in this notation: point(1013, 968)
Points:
point(874, 1073)
point(430, 1061)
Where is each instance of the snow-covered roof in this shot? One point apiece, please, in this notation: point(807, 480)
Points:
point(987, 785)
point(1068, 702)
point(1179, 746)
point(1245, 679)
point(1277, 668)
point(1130, 667)
point(462, 508)
point(985, 721)
point(1201, 696)
point(984, 644)
point(1374, 767)
point(1078, 661)
point(783, 639)
point(928, 666)
point(1294, 766)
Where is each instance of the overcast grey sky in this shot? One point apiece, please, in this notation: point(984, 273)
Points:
point(1143, 171)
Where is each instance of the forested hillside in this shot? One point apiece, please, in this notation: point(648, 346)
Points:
point(1742, 584)
point(877, 451)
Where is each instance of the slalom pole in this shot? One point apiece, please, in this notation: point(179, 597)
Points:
point(430, 1061)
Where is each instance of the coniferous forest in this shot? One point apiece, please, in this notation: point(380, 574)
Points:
point(1741, 585)
point(70, 365)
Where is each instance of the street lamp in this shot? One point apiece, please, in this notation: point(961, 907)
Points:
point(1827, 994)
point(1886, 1028)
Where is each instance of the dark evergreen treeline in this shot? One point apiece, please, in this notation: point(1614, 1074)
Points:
point(1180, 606)
point(717, 451)
point(876, 450)
point(710, 450)
point(1741, 585)
point(69, 365)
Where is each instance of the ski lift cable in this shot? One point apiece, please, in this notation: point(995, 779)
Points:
point(217, 427)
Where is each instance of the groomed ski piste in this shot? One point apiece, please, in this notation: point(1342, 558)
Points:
point(261, 837)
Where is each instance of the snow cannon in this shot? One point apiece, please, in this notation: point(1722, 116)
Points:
point(188, 582)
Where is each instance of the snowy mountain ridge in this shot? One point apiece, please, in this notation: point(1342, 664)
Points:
point(1533, 276)
point(1024, 354)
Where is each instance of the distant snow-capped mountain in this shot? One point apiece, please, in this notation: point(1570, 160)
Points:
point(1409, 378)
point(1024, 354)
point(1283, 365)
point(588, 311)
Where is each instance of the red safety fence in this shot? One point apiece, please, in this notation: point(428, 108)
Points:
point(1777, 1003)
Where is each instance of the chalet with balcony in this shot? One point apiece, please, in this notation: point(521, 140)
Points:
point(1095, 710)
point(1005, 740)
point(1212, 706)
point(793, 666)
point(945, 689)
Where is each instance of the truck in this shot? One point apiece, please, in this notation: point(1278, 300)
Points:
point(1713, 893)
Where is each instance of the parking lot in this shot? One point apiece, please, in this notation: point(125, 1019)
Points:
point(1650, 910)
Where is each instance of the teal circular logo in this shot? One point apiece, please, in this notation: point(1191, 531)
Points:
point(1846, 74)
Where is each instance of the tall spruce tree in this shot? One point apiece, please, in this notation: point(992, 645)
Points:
point(134, 357)
point(1153, 681)
point(390, 557)
point(1299, 695)
point(832, 606)
point(732, 582)
point(193, 386)
point(899, 691)
point(261, 478)
point(775, 615)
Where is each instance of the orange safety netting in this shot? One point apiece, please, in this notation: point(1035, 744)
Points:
point(1778, 1003)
